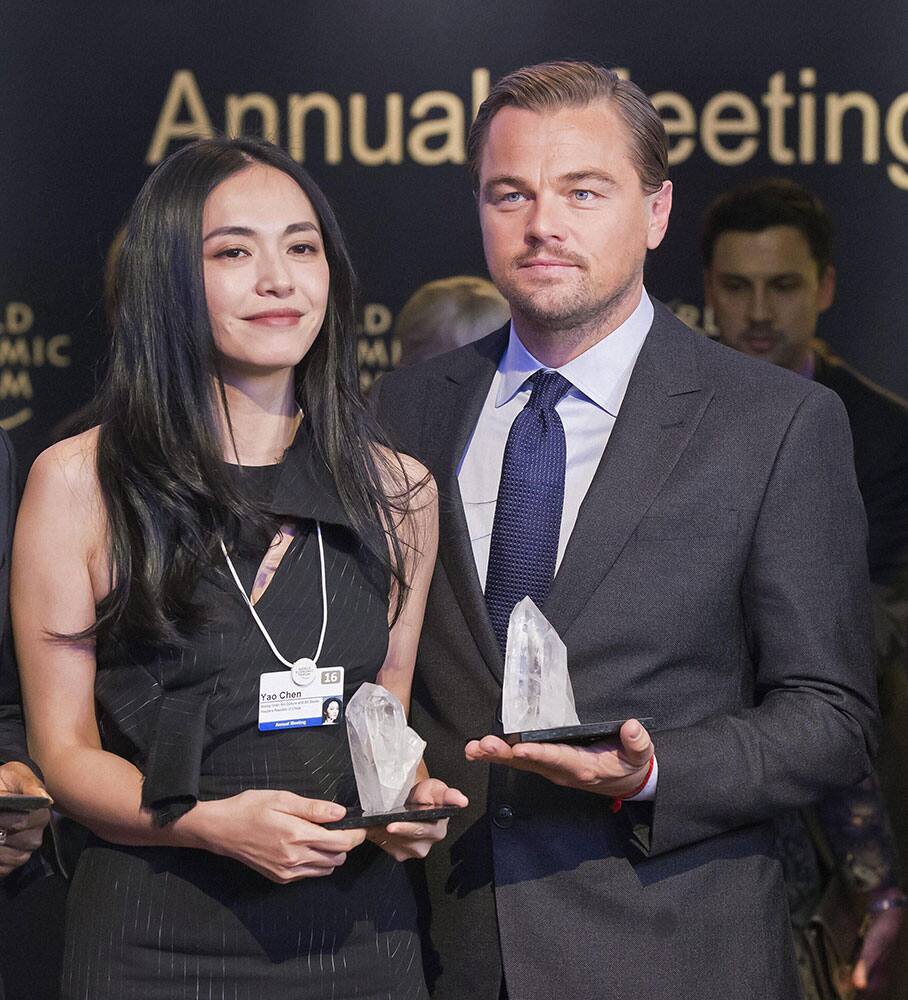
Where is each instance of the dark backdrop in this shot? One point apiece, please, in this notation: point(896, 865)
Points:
point(83, 90)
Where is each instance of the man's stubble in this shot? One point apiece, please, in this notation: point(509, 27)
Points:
point(577, 316)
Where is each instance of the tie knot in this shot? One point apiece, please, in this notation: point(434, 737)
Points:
point(548, 388)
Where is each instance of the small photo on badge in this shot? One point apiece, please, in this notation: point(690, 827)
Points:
point(332, 711)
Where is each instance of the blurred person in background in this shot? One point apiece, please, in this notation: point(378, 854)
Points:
point(445, 314)
point(21, 868)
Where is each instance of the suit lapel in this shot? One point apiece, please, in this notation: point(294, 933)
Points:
point(664, 402)
point(461, 391)
point(663, 405)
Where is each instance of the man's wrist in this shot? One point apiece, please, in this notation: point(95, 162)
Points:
point(648, 792)
point(643, 792)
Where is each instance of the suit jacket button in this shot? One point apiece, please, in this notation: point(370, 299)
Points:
point(504, 817)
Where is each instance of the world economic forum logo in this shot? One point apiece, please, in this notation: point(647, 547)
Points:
point(23, 351)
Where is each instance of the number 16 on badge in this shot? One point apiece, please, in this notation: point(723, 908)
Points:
point(286, 704)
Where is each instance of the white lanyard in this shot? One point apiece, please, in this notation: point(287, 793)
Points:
point(302, 669)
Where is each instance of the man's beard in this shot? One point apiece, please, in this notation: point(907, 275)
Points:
point(566, 312)
point(788, 353)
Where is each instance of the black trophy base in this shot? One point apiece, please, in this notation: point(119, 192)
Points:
point(355, 820)
point(24, 803)
point(588, 732)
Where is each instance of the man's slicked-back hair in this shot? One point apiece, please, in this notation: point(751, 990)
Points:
point(763, 203)
point(552, 86)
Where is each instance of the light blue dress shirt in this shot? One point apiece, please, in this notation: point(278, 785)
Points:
point(599, 377)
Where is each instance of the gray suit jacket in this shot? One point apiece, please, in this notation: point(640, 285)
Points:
point(12, 731)
point(716, 580)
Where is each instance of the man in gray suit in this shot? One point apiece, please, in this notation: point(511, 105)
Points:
point(661, 481)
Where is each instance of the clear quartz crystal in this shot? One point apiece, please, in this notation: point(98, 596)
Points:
point(384, 749)
point(537, 690)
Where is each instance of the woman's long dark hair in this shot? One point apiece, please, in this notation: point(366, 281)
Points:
point(167, 492)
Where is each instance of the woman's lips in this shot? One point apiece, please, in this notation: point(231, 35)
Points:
point(275, 317)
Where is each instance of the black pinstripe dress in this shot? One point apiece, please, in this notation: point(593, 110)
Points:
point(170, 923)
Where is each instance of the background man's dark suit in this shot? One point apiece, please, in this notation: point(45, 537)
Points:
point(715, 580)
point(12, 731)
point(879, 426)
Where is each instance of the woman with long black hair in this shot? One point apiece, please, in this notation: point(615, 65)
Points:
point(193, 576)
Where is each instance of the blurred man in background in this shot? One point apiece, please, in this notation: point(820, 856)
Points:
point(767, 247)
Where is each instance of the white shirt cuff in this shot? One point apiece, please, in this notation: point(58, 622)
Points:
point(648, 792)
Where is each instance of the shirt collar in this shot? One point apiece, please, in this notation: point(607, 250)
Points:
point(808, 368)
point(601, 373)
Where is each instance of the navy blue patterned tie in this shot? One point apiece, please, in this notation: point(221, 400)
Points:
point(524, 542)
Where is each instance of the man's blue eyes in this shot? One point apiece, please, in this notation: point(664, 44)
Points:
point(513, 197)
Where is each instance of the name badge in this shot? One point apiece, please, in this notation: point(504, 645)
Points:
point(317, 701)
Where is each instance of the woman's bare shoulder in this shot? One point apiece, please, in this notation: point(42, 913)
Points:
point(67, 471)
point(403, 474)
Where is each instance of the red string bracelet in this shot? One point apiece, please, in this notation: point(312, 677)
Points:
point(617, 803)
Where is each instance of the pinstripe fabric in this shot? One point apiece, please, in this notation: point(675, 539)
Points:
point(169, 924)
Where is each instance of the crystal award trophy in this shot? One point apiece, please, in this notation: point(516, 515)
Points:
point(386, 753)
point(537, 698)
